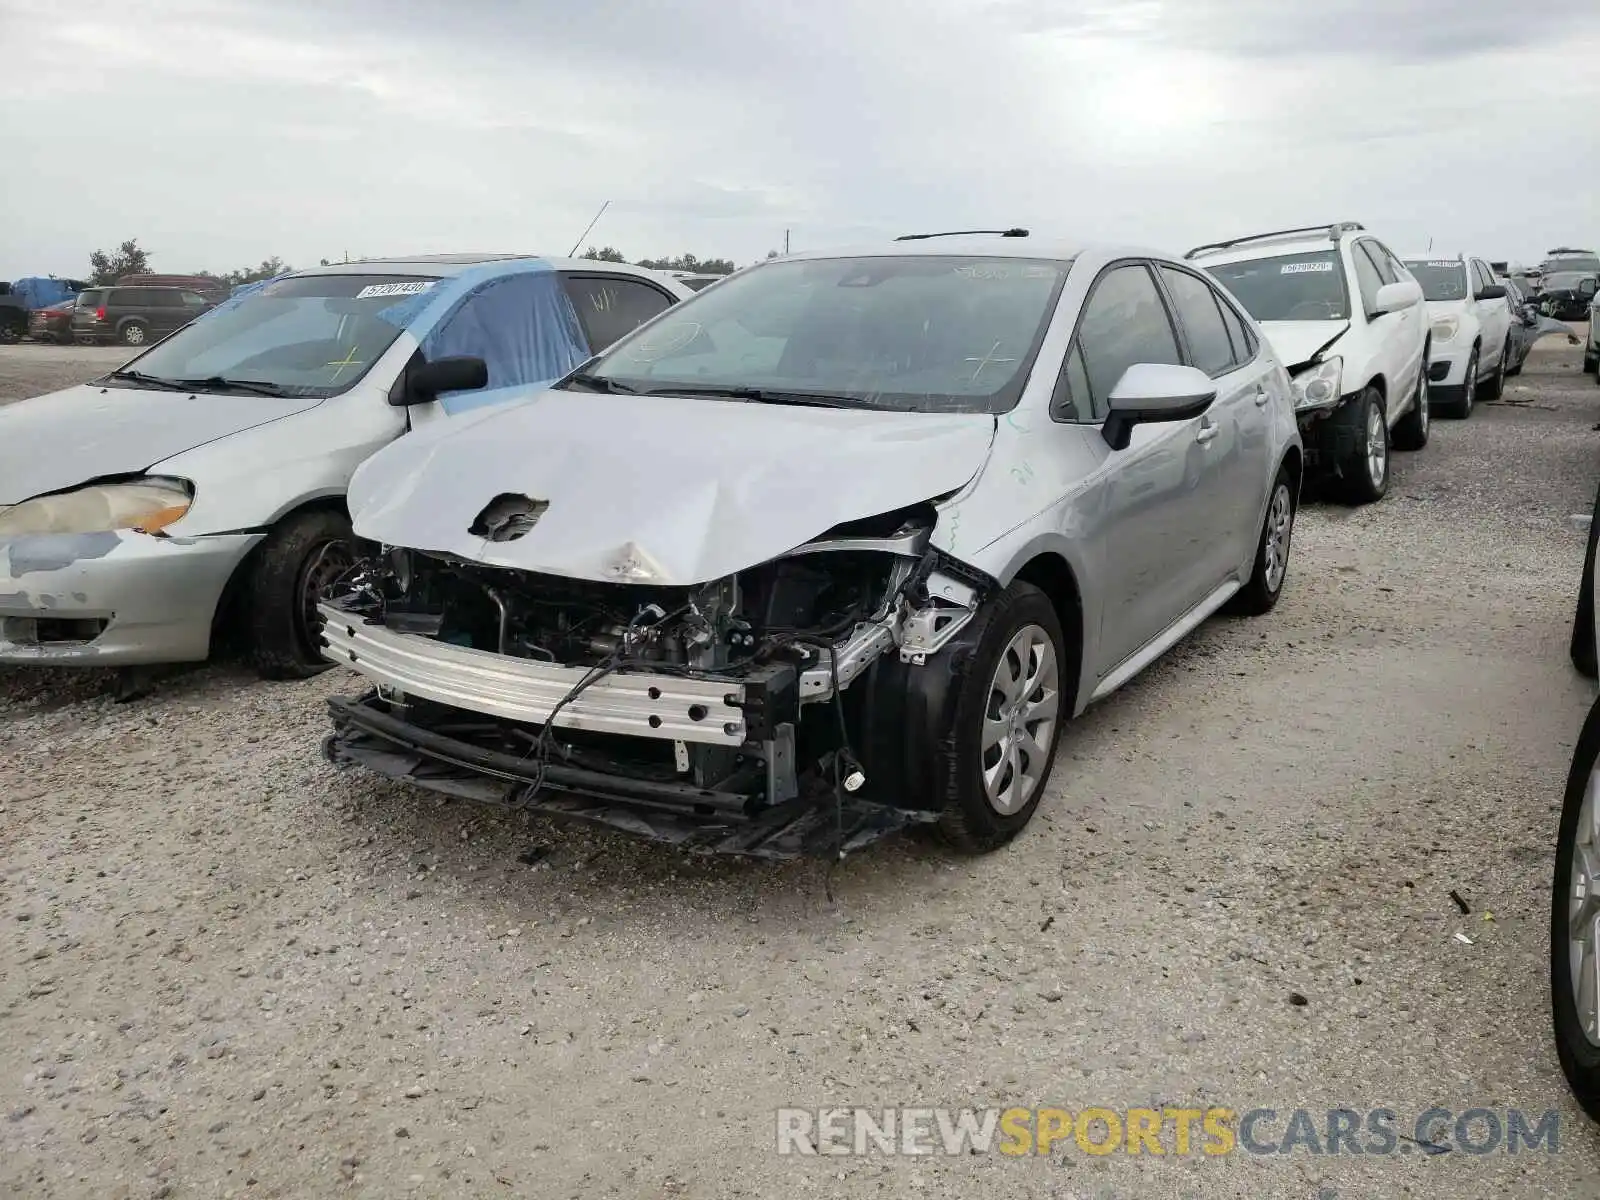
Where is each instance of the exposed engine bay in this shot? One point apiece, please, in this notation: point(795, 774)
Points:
point(719, 716)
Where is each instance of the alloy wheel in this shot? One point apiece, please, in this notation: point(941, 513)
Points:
point(1422, 401)
point(1377, 446)
point(1469, 389)
point(1583, 913)
point(1019, 723)
point(1280, 527)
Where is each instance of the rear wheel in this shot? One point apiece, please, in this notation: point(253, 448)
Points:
point(999, 753)
point(301, 556)
point(134, 333)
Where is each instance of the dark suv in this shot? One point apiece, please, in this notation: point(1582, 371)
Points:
point(134, 316)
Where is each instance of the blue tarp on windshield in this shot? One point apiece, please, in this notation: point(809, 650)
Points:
point(38, 292)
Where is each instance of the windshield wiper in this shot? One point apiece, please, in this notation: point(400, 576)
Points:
point(171, 385)
point(599, 383)
point(759, 396)
point(217, 383)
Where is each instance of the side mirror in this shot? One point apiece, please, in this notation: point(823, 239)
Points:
point(425, 382)
point(1152, 392)
point(1392, 297)
point(1493, 292)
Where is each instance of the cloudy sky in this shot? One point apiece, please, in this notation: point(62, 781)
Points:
point(219, 132)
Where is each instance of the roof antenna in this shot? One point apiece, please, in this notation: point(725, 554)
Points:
point(573, 252)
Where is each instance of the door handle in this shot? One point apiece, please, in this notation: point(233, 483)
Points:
point(1206, 433)
point(1262, 395)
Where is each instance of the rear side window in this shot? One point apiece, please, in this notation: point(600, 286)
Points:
point(93, 298)
point(610, 306)
point(1209, 344)
point(164, 298)
point(1124, 322)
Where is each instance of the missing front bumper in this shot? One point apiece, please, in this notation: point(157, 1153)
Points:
point(817, 822)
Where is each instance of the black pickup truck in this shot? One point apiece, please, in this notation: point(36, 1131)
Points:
point(13, 315)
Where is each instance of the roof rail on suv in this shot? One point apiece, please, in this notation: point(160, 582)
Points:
point(1333, 230)
point(917, 237)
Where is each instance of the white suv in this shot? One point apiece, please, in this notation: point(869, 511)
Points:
point(1349, 321)
point(1470, 351)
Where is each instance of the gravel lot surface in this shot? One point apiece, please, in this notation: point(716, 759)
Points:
point(228, 970)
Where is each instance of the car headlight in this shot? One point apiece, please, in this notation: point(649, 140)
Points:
point(1446, 328)
point(1319, 385)
point(147, 504)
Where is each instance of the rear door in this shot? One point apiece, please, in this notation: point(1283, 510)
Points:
point(1239, 466)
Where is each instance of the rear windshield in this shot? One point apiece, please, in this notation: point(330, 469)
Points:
point(313, 335)
point(1587, 263)
point(1288, 287)
point(1441, 279)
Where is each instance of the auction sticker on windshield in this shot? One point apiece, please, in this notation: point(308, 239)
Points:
point(1301, 267)
point(412, 288)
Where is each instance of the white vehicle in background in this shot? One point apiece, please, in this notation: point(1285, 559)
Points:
point(1349, 322)
point(1471, 349)
point(1591, 341)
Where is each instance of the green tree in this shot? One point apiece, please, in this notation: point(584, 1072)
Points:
point(269, 268)
point(128, 259)
point(688, 262)
point(607, 254)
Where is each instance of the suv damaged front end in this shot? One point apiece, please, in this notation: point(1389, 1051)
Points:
point(773, 712)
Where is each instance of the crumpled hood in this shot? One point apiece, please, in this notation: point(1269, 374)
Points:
point(69, 437)
point(1295, 342)
point(658, 489)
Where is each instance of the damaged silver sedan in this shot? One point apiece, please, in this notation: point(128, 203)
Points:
point(831, 549)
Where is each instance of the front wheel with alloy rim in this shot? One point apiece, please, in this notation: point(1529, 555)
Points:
point(1411, 431)
point(1495, 385)
point(1265, 585)
point(302, 555)
point(1012, 701)
point(1365, 469)
point(1575, 923)
point(1462, 408)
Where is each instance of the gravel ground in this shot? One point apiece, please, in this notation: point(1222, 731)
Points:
point(229, 970)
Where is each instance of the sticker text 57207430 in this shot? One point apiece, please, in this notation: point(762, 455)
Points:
point(411, 288)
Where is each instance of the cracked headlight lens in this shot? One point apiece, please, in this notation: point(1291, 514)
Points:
point(145, 504)
point(1319, 385)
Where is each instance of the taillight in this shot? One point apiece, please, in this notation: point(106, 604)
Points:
point(100, 314)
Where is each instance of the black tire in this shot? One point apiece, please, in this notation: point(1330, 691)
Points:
point(1411, 431)
point(1495, 385)
point(1357, 485)
point(1260, 594)
point(969, 823)
point(1583, 651)
point(302, 553)
point(1591, 364)
point(10, 334)
point(1462, 407)
point(134, 333)
point(1579, 1057)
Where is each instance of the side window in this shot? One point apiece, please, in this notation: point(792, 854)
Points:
point(1072, 401)
point(1124, 322)
point(1244, 342)
point(1209, 344)
point(1480, 276)
point(1380, 260)
point(1367, 276)
point(194, 299)
point(610, 306)
point(165, 298)
point(520, 325)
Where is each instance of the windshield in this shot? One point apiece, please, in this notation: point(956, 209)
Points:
point(314, 335)
point(1288, 287)
point(917, 333)
point(1441, 279)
